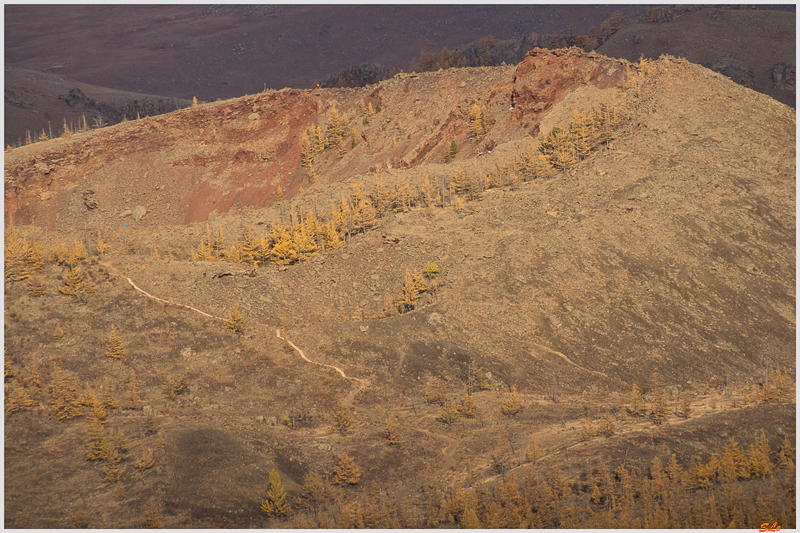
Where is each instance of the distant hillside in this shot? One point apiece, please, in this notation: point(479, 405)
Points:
point(210, 52)
point(225, 51)
point(36, 102)
point(755, 48)
point(701, 34)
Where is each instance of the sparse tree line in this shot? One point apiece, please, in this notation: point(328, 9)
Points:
point(302, 235)
point(486, 51)
point(306, 234)
point(104, 114)
point(734, 489)
point(26, 391)
point(28, 252)
point(67, 130)
point(489, 52)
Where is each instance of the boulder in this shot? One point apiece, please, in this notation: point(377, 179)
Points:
point(89, 199)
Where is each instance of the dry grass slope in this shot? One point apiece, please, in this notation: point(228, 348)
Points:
point(586, 327)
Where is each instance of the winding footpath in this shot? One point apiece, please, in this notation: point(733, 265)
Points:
point(363, 383)
point(448, 451)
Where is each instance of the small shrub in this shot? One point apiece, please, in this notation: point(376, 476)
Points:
point(448, 414)
point(79, 520)
point(235, 321)
point(146, 461)
point(511, 404)
point(174, 387)
point(36, 288)
point(346, 472)
point(466, 406)
point(114, 348)
point(152, 518)
point(434, 395)
point(119, 492)
point(392, 433)
point(151, 424)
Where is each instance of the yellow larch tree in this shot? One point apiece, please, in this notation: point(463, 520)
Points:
point(758, 457)
point(346, 471)
point(146, 461)
point(466, 405)
point(75, 284)
point(331, 237)
point(151, 519)
point(448, 414)
point(248, 246)
point(275, 502)
point(304, 242)
point(114, 348)
point(205, 252)
point(410, 293)
point(17, 399)
point(318, 140)
point(307, 152)
point(114, 469)
point(314, 491)
point(96, 445)
point(342, 420)
point(235, 321)
point(135, 394)
point(22, 256)
point(476, 125)
point(335, 130)
point(364, 216)
point(284, 251)
point(511, 404)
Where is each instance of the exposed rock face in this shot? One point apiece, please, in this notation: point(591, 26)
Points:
point(736, 70)
point(543, 78)
point(78, 100)
point(16, 98)
point(89, 199)
point(783, 76)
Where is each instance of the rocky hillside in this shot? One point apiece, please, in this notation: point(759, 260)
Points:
point(609, 276)
point(38, 102)
point(230, 156)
